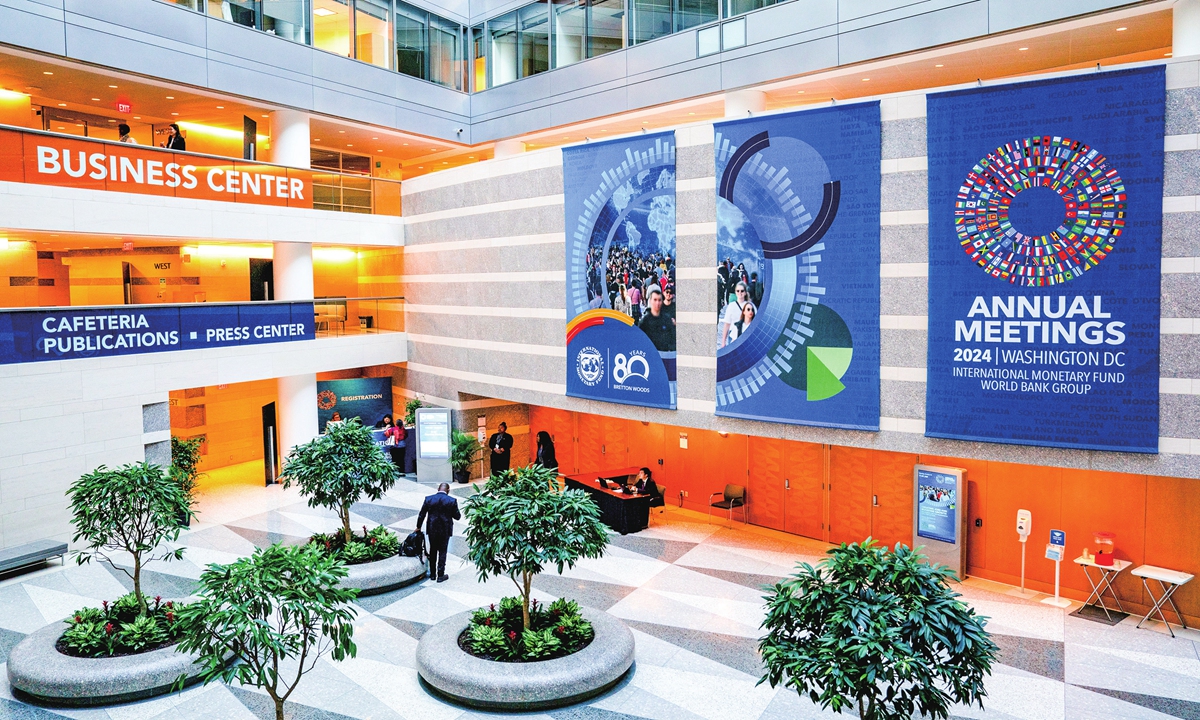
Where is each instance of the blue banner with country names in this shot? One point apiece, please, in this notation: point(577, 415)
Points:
point(66, 334)
point(619, 200)
point(797, 321)
point(1045, 240)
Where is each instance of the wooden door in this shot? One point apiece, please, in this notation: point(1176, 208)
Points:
point(645, 442)
point(765, 485)
point(892, 496)
point(589, 432)
point(849, 494)
point(804, 495)
point(614, 446)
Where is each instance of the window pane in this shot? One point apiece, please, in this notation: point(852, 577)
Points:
point(410, 40)
point(287, 19)
point(570, 31)
point(445, 53)
point(371, 37)
point(331, 26)
point(478, 59)
point(535, 38)
point(325, 159)
point(503, 31)
point(189, 4)
point(690, 13)
point(737, 7)
point(606, 26)
point(241, 12)
point(651, 19)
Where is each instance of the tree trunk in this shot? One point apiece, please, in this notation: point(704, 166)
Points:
point(137, 584)
point(528, 580)
point(278, 709)
point(346, 524)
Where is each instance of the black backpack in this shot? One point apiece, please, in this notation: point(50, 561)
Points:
point(414, 545)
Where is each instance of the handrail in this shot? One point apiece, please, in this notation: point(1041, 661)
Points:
point(338, 298)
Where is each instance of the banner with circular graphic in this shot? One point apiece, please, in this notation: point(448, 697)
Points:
point(620, 221)
point(797, 323)
point(1045, 240)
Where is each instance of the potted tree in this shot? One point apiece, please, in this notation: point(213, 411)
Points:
point(876, 631)
point(133, 512)
point(464, 450)
point(280, 608)
point(520, 522)
point(335, 471)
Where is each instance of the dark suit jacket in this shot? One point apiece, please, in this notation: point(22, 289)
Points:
point(500, 461)
point(443, 511)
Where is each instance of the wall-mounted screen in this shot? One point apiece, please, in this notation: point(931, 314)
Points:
point(937, 505)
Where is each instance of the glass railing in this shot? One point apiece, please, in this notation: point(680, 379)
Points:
point(336, 316)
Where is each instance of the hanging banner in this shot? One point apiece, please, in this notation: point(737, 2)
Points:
point(797, 324)
point(620, 222)
point(1045, 234)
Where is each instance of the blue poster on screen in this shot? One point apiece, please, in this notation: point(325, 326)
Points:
point(367, 399)
point(620, 222)
point(1045, 234)
point(797, 323)
point(937, 505)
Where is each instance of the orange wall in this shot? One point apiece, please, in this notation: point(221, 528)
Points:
point(229, 417)
point(868, 493)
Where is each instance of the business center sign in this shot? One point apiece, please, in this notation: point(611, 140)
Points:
point(66, 334)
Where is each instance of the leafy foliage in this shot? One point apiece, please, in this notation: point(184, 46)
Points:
point(119, 628)
point(133, 509)
point(464, 450)
point(379, 543)
point(410, 411)
point(276, 613)
point(338, 468)
point(522, 520)
point(498, 632)
point(185, 462)
point(878, 631)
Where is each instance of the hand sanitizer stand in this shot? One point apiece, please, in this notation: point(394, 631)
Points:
point(1024, 527)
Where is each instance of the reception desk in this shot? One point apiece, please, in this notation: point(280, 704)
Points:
point(621, 512)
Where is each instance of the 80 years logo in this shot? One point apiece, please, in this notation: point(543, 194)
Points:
point(589, 364)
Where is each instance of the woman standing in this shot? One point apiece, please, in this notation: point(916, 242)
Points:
point(545, 451)
point(622, 304)
point(175, 140)
point(396, 441)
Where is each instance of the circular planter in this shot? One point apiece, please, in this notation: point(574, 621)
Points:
point(40, 672)
point(383, 576)
point(457, 675)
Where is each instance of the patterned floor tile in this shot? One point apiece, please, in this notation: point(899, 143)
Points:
point(1040, 657)
point(736, 652)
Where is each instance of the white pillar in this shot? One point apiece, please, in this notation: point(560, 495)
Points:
point(740, 103)
point(507, 148)
point(290, 139)
point(297, 415)
point(293, 271)
point(1185, 28)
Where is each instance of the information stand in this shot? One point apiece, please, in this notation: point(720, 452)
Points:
point(1055, 549)
point(433, 445)
point(940, 515)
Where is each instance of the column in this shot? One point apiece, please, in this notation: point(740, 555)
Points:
point(297, 411)
point(741, 103)
point(290, 139)
point(507, 148)
point(293, 271)
point(1185, 28)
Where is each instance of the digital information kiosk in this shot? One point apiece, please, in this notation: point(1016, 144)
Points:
point(433, 445)
point(940, 515)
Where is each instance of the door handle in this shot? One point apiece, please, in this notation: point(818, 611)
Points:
point(787, 484)
point(875, 500)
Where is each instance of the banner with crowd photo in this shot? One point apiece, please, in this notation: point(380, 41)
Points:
point(797, 324)
point(1045, 234)
point(367, 399)
point(620, 222)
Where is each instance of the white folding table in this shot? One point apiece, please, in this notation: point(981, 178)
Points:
point(1168, 582)
point(1102, 584)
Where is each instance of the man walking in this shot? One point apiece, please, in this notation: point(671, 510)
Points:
point(443, 511)
point(500, 444)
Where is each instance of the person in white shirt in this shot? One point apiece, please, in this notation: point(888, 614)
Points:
point(123, 131)
point(741, 326)
point(733, 312)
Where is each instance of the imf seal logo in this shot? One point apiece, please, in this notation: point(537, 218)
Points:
point(589, 364)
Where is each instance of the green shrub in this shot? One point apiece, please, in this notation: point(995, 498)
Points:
point(141, 634)
point(87, 639)
point(497, 632)
point(117, 629)
point(491, 641)
point(379, 543)
point(540, 645)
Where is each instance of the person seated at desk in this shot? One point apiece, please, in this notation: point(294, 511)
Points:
point(644, 484)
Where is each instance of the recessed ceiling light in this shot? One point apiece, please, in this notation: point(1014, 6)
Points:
point(60, 127)
point(47, 72)
point(865, 79)
point(433, 149)
point(342, 132)
point(114, 87)
point(112, 120)
point(470, 157)
point(349, 144)
point(266, 116)
point(374, 138)
point(324, 12)
point(1122, 29)
point(1022, 49)
point(95, 99)
point(137, 117)
point(1168, 54)
point(445, 162)
point(62, 104)
point(420, 167)
point(939, 65)
point(379, 150)
point(174, 113)
point(220, 107)
point(405, 144)
point(170, 97)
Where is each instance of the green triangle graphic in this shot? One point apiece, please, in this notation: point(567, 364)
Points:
point(822, 383)
point(836, 359)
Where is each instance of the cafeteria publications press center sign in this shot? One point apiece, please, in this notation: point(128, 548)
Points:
point(65, 334)
point(45, 159)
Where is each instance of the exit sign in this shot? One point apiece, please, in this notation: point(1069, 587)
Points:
point(124, 107)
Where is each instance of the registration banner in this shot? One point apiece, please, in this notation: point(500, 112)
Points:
point(797, 323)
point(66, 333)
point(1045, 234)
point(620, 222)
point(367, 399)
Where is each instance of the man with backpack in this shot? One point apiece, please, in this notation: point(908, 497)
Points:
point(442, 510)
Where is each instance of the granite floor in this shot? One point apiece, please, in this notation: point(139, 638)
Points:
point(690, 591)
